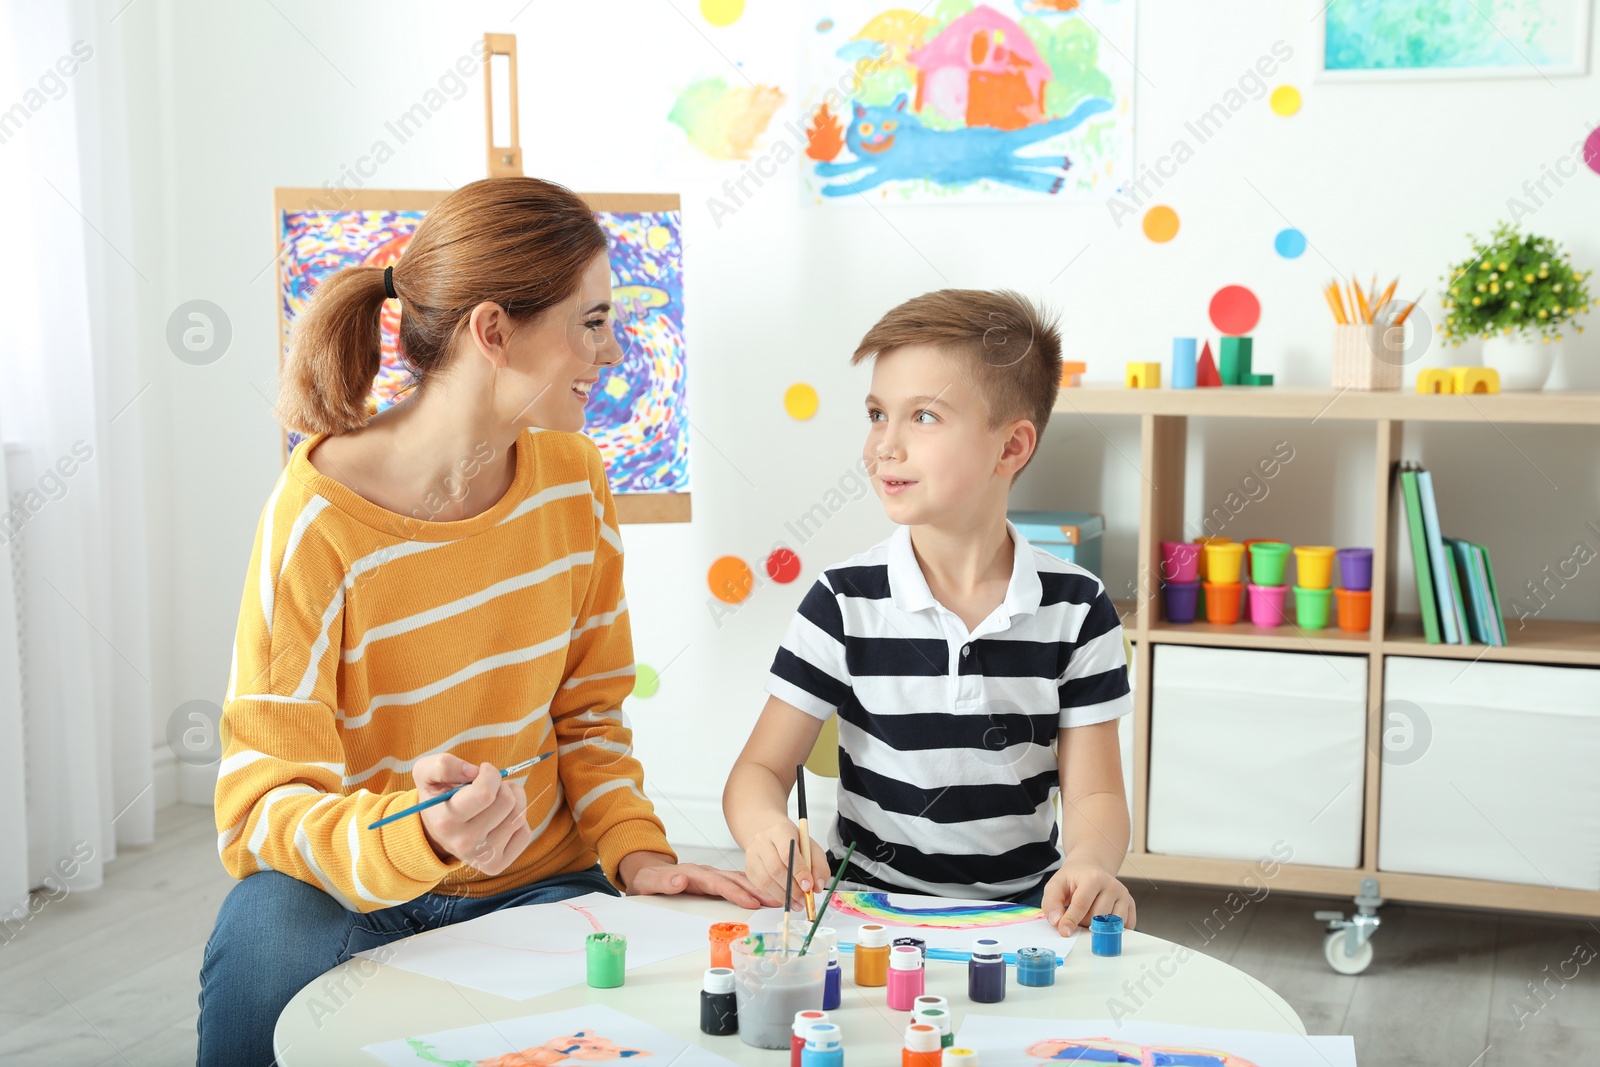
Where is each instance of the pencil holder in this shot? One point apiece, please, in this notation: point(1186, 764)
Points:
point(1368, 356)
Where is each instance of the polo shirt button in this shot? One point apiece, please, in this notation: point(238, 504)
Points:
point(966, 650)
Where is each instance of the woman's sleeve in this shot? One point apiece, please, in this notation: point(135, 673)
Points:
point(602, 780)
point(281, 801)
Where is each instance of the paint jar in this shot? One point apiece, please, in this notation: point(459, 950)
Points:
point(1269, 560)
point(1222, 563)
point(1222, 602)
point(1311, 607)
point(872, 955)
point(918, 943)
point(1106, 935)
point(922, 1047)
point(960, 1057)
point(1266, 604)
point(772, 987)
point(832, 981)
point(721, 936)
point(935, 1011)
point(1313, 566)
point(1181, 599)
point(824, 1046)
point(1355, 609)
point(719, 1008)
point(907, 976)
point(607, 956)
point(1355, 568)
point(986, 972)
point(798, 1033)
point(1180, 561)
point(1036, 966)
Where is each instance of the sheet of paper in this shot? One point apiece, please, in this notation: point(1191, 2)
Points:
point(587, 1035)
point(941, 922)
point(538, 948)
point(1007, 1041)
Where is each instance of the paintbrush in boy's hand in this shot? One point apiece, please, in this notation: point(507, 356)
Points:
point(447, 794)
point(805, 840)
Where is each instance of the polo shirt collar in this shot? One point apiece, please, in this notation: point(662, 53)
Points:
point(909, 587)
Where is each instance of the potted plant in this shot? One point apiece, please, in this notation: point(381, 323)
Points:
point(1519, 293)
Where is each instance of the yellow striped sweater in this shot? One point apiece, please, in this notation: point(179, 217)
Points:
point(368, 639)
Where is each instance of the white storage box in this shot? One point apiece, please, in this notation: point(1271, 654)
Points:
point(1494, 775)
point(1249, 749)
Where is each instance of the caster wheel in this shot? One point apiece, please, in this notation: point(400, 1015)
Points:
point(1333, 947)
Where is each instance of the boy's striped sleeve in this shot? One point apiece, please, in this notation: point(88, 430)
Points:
point(1094, 687)
point(280, 796)
point(809, 670)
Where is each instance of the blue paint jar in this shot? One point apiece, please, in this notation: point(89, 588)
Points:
point(1036, 966)
point(1106, 935)
point(986, 972)
point(832, 981)
point(824, 1046)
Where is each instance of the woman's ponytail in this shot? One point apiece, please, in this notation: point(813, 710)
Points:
point(335, 350)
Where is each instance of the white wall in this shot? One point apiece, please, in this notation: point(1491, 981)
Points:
point(1384, 177)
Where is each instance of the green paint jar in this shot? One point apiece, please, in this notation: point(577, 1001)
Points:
point(608, 957)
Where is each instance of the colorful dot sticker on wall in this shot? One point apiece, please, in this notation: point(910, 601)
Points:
point(1285, 100)
point(645, 681)
point(800, 401)
point(783, 566)
point(1161, 223)
point(1235, 310)
point(1290, 243)
point(1591, 150)
point(722, 12)
point(730, 579)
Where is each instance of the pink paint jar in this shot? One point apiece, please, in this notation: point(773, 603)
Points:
point(907, 979)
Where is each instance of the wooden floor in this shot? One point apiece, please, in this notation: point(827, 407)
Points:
point(111, 976)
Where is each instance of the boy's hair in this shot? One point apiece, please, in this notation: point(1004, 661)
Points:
point(1010, 347)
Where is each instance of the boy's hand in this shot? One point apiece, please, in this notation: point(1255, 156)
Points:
point(1079, 891)
point(651, 873)
point(485, 825)
point(766, 864)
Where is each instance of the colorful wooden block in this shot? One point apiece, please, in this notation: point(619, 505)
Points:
point(1144, 376)
point(1205, 372)
point(1435, 380)
point(1183, 362)
point(1235, 360)
point(1257, 379)
point(1475, 379)
point(1072, 373)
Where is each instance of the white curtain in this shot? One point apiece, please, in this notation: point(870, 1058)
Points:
point(76, 729)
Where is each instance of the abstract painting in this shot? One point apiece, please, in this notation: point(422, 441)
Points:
point(1007, 1041)
point(940, 922)
point(578, 1036)
point(1454, 38)
point(638, 410)
point(1015, 100)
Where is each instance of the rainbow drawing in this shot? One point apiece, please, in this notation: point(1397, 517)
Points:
point(877, 908)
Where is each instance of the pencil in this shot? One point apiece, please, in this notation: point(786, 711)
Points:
point(805, 839)
point(1387, 293)
point(1401, 318)
point(1361, 298)
point(442, 797)
point(1338, 314)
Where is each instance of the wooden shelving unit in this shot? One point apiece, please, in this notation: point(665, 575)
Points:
point(1164, 415)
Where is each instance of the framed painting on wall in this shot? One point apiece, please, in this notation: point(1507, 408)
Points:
point(1419, 39)
point(638, 411)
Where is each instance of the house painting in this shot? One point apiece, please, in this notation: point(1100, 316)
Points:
point(982, 70)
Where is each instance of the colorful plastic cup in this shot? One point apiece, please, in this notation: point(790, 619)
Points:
point(1355, 609)
point(1355, 568)
point(1268, 561)
point(1222, 602)
point(1248, 541)
point(1182, 600)
point(1180, 561)
point(1223, 563)
point(1204, 563)
point(1266, 604)
point(1313, 566)
point(1311, 607)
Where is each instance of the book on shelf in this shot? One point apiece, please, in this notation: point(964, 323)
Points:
point(1456, 592)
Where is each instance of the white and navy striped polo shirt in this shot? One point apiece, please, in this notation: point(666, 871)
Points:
point(947, 756)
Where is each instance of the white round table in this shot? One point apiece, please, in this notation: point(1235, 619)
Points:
point(1153, 980)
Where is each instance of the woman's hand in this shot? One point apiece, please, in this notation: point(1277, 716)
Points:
point(766, 864)
point(653, 873)
point(485, 825)
point(1079, 891)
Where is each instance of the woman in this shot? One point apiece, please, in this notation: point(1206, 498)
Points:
point(434, 593)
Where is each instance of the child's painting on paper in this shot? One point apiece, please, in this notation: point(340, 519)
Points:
point(577, 1037)
point(1006, 1041)
point(971, 102)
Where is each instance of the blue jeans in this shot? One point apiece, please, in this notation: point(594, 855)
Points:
point(275, 934)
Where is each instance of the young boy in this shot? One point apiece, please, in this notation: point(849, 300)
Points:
point(972, 674)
